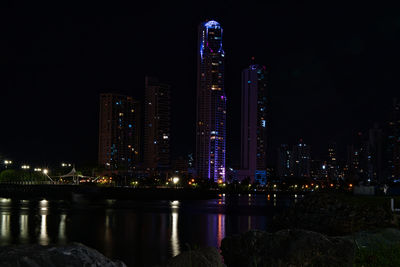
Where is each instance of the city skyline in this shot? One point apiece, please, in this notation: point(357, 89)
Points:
point(66, 85)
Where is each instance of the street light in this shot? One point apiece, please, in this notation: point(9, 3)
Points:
point(7, 162)
point(175, 180)
point(65, 164)
point(46, 171)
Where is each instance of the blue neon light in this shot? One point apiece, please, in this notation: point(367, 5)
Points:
point(212, 24)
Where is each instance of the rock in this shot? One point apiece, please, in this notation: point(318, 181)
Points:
point(72, 255)
point(336, 214)
point(376, 238)
point(202, 257)
point(287, 248)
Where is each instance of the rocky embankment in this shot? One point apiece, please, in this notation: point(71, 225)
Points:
point(323, 229)
point(298, 248)
point(54, 256)
point(336, 214)
point(287, 248)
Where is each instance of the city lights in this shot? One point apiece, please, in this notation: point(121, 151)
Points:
point(66, 164)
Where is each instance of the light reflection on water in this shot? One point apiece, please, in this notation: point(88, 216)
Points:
point(220, 229)
point(5, 228)
point(139, 233)
point(23, 222)
point(174, 228)
point(61, 230)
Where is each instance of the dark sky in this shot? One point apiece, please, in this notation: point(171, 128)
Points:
point(333, 69)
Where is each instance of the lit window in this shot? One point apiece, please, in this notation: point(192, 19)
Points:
point(263, 123)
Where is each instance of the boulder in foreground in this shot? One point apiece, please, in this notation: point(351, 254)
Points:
point(71, 255)
point(336, 214)
point(202, 257)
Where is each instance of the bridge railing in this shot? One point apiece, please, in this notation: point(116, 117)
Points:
point(32, 182)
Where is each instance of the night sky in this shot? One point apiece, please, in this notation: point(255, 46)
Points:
point(333, 69)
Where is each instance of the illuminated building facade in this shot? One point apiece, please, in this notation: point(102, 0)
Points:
point(157, 126)
point(211, 104)
point(254, 124)
point(119, 132)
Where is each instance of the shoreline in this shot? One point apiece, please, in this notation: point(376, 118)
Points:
point(73, 192)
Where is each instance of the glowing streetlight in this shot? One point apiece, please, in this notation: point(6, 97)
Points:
point(175, 180)
point(25, 167)
point(65, 164)
point(7, 162)
point(46, 171)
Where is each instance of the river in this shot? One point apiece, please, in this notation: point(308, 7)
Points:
point(140, 233)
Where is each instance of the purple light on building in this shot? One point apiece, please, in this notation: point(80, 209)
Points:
point(253, 123)
point(211, 104)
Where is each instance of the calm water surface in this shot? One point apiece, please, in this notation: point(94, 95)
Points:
point(140, 233)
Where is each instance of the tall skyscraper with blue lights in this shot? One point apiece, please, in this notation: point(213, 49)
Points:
point(211, 104)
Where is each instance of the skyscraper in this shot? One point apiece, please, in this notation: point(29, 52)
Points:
point(393, 144)
point(253, 123)
point(332, 162)
point(157, 126)
point(211, 104)
point(374, 154)
point(301, 159)
point(284, 161)
point(357, 157)
point(119, 132)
